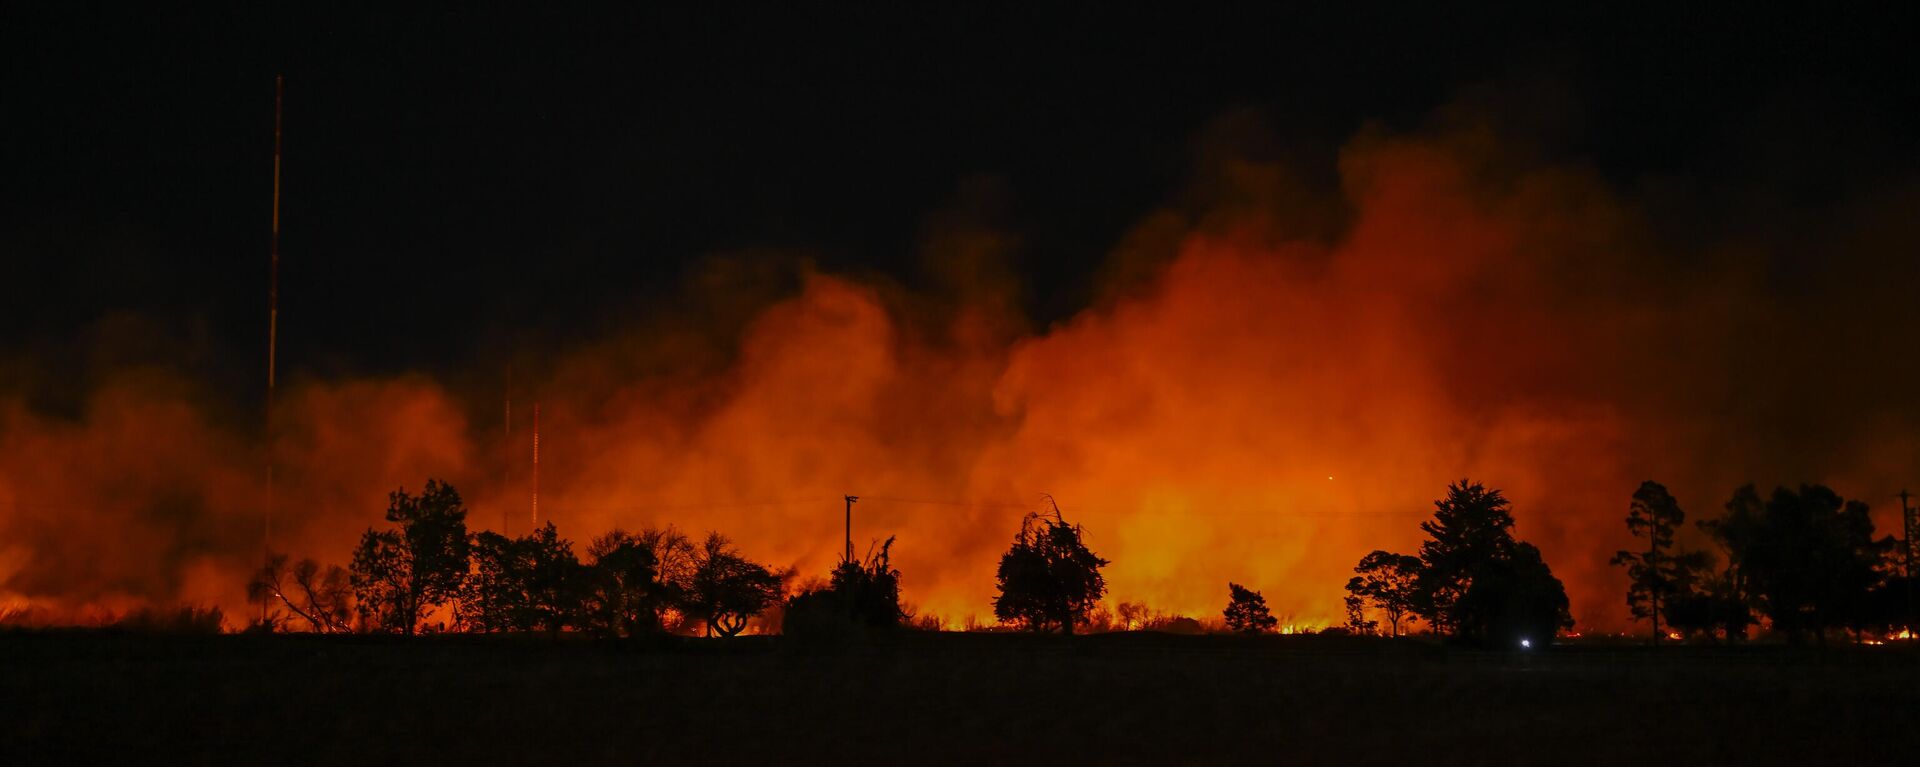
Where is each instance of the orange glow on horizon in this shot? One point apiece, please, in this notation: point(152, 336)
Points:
point(1194, 422)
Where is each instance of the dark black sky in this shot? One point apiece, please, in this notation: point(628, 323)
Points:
point(453, 180)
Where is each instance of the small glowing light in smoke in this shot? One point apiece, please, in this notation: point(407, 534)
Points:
point(1526, 644)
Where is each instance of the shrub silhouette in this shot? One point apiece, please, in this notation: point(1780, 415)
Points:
point(187, 619)
point(859, 598)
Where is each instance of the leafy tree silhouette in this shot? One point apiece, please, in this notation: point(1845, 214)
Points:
point(1808, 555)
point(321, 597)
point(520, 584)
point(726, 589)
point(1512, 600)
point(1049, 578)
point(1390, 582)
point(399, 574)
point(1654, 576)
point(1479, 584)
point(1247, 611)
point(1357, 621)
point(1737, 531)
point(633, 580)
point(1471, 526)
point(1707, 604)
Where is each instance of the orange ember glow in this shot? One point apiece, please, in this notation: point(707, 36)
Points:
point(1265, 405)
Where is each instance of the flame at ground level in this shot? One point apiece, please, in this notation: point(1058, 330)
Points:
point(1265, 409)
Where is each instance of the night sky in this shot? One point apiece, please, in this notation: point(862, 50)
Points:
point(459, 182)
point(1243, 290)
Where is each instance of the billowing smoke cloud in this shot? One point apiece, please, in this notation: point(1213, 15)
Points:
point(1275, 380)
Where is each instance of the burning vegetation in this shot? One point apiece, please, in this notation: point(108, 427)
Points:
point(1269, 386)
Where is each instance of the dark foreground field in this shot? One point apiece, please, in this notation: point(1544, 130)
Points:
point(101, 698)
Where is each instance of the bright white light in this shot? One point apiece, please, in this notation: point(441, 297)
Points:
point(1526, 643)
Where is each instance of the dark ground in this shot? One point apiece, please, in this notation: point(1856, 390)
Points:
point(90, 697)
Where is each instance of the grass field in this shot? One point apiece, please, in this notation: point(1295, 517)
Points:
point(92, 697)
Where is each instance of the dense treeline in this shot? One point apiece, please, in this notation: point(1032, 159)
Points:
point(1472, 580)
point(1805, 560)
point(427, 564)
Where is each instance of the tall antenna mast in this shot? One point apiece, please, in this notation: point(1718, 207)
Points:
point(273, 312)
point(506, 509)
point(536, 467)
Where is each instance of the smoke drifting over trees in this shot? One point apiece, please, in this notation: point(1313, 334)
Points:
point(1269, 384)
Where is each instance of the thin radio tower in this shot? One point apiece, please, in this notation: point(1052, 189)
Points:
point(506, 509)
point(536, 467)
point(273, 315)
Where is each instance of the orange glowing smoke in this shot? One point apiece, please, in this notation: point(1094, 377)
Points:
point(1265, 406)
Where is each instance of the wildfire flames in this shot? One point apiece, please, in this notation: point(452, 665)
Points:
point(1266, 404)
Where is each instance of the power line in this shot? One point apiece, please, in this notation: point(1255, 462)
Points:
point(821, 500)
point(645, 508)
point(1206, 512)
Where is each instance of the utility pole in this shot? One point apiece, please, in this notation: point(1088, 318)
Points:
point(506, 509)
point(273, 326)
point(851, 499)
point(536, 468)
point(1911, 517)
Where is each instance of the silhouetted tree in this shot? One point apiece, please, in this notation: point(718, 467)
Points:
point(1471, 526)
point(1736, 531)
point(322, 597)
point(399, 574)
point(1810, 556)
point(521, 584)
point(1653, 576)
point(1247, 611)
point(633, 580)
point(1707, 603)
point(862, 594)
point(1478, 583)
point(1390, 582)
point(1357, 621)
point(726, 589)
point(1512, 600)
point(1049, 578)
